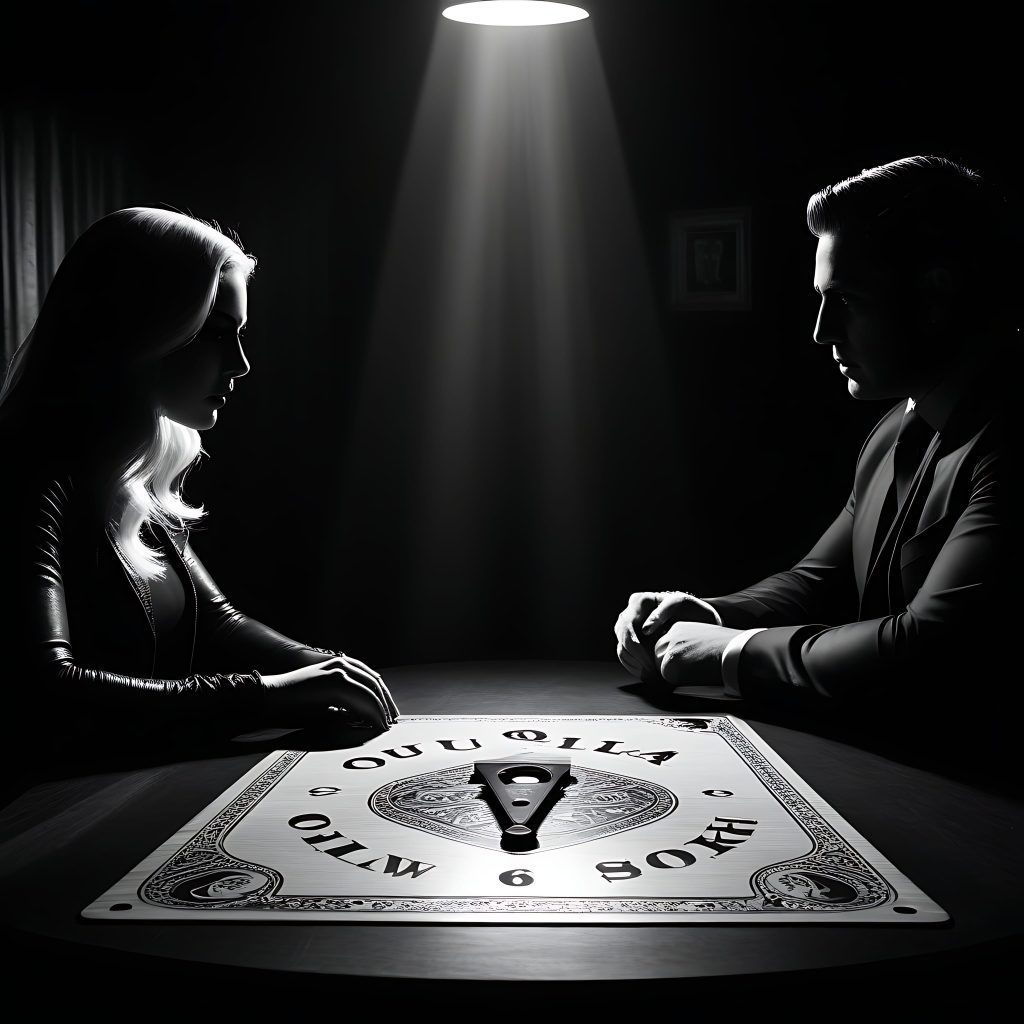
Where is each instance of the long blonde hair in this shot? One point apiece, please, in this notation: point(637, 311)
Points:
point(135, 286)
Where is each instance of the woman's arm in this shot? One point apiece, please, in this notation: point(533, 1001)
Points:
point(226, 635)
point(37, 523)
point(42, 633)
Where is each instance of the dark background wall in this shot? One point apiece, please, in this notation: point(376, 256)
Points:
point(290, 122)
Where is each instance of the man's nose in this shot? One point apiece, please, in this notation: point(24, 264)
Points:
point(827, 328)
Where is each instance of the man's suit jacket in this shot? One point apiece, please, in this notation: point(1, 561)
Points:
point(873, 611)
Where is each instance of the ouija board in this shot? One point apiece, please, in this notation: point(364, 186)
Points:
point(683, 819)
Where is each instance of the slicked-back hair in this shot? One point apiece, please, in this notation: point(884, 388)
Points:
point(926, 211)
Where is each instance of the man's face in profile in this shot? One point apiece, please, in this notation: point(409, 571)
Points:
point(867, 317)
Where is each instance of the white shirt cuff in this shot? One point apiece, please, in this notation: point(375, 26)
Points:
point(731, 661)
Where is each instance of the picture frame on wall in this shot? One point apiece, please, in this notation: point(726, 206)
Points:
point(710, 257)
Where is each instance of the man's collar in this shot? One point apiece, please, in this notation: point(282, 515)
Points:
point(965, 381)
point(936, 405)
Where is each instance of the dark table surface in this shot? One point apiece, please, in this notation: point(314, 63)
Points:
point(65, 839)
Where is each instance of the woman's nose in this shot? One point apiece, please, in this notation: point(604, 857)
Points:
point(239, 365)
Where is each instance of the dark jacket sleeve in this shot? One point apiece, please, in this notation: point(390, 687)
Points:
point(947, 631)
point(227, 636)
point(44, 635)
point(820, 587)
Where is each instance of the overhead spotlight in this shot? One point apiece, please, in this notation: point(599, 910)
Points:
point(513, 13)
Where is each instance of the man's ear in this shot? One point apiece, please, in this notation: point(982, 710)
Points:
point(937, 286)
point(938, 279)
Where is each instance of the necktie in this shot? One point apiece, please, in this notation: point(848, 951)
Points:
point(911, 442)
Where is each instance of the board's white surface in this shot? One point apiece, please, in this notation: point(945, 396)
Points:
point(754, 843)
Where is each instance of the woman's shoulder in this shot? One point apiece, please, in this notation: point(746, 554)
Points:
point(35, 480)
point(30, 470)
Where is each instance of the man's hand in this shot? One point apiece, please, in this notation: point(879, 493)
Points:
point(638, 661)
point(645, 617)
point(690, 653)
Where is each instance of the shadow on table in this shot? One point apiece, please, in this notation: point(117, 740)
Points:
point(919, 985)
point(100, 748)
point(974, 745)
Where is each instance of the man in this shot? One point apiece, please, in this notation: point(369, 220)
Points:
point(906, 588)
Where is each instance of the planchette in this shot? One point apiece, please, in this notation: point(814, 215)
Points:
point(450, 804)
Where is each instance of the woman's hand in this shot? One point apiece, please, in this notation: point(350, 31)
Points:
point(376, 678)
point(338, 683)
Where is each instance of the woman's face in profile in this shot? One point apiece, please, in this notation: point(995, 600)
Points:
point(194, 381)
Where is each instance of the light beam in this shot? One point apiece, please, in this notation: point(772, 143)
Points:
point(513, 439)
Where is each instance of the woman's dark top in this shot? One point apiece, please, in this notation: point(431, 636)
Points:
point(83, 632)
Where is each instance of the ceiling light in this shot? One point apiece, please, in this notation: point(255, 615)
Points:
point(514, 13)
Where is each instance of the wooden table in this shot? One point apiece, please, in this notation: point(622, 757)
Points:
point(65, 840)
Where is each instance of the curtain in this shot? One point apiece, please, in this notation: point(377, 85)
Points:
point(54, 182)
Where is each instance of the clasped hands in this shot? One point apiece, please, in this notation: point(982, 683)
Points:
point(672, 636)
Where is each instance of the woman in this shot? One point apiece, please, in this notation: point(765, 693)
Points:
point(107, 608)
